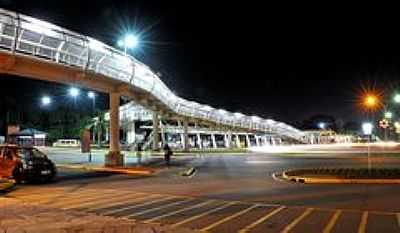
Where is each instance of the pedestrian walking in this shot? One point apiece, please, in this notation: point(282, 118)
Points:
point(167, 154)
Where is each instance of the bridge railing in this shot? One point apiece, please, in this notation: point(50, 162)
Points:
point(26, 35)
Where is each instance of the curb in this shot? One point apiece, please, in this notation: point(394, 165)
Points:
point(130, 171)
point(315, 180)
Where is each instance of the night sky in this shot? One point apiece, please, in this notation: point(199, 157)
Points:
point(286, 61)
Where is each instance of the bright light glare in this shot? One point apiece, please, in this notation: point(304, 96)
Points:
point(120, 43)
point(91, 94)
point(371, 101)
point(321, 125)
point(46, 100)
point(397, 98)
point(131, 41)
point(367, 128)
point(74, 92)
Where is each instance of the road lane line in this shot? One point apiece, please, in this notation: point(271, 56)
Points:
point(228, 218)
point(363, 222)
point(157, 208)
point(139, 205)
point(263, 219)
point(332, 221)
point(100, 201)
point(202, 214)
point(297, 220)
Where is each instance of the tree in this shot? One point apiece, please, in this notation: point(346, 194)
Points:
point(99, 125)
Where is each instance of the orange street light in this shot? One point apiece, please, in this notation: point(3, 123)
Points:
point(371, 101)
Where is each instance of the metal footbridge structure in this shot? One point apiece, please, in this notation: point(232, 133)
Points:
point(36, 49)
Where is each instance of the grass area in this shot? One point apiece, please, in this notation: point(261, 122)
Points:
point(348, 173)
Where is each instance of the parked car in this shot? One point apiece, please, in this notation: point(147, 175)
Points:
point(25, 164)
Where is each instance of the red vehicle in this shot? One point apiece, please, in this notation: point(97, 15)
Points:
point(25, 164)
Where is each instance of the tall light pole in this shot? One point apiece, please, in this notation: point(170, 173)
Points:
point(367, 130)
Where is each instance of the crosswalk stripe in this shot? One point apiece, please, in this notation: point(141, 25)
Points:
point(48, 198)
point(135, 206)
point(297, 220)
point(77, 200)
point(363, 222)
point(263, 219)
point(158, 208)
point(125, 201)
point(332, 221)
point(100, 201)
point(228, 218)
point(195, 216)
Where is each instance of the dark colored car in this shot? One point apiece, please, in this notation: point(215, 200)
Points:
point(25, 164)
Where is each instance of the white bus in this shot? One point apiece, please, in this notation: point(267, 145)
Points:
point(67, 143)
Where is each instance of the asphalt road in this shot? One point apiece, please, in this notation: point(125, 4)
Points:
point(235, 188)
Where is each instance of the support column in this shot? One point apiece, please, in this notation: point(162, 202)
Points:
point(257, 140)
point(265, 141)
point(214, 143)
point(226, 140)
point(162, 127)
point(114, 157)
point(199, 142)
point(156, 131)
point(185, 135)
point(131, 134)
point(238, 141)
point(248, 140)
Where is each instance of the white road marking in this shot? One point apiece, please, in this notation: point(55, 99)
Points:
point(263, 219)
point(297, 220)
point(228, 218)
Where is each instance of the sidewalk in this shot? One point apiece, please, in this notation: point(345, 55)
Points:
point(18, 217)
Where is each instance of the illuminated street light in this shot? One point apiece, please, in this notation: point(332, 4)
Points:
point(397, 98)
point(370, 101)
point(130, 41)
point(321, 125)
point(74, 92)
point(91, 95)
point(367, 128)
point(46, 100)
point(388, 115)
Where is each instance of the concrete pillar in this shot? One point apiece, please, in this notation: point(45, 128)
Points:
point(199, 142)
point(163, 140)
point(114, 157)
point(257, 140)
point(273, 141)
point(185, 135)
point(214, 143)
point(265, 141)
point(156, 131)
point(238, 141)
point(226, 140)
point(131, 134)
point(248, 140)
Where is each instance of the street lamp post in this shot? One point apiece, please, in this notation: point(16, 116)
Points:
point(367, 129)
